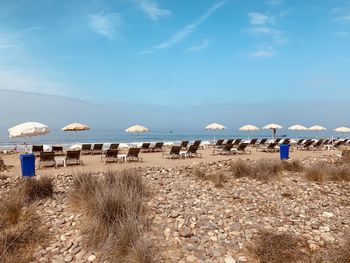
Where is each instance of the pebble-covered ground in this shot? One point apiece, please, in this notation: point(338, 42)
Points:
point(191, 220)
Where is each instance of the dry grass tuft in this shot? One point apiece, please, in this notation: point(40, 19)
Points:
point(322, 172)
point(343, 253)
point(345, 157)
point(20, 230)
point(275, 248)
point(262, 170)
point(217, 178)
point(113, 208)
point(292, 166)
point(199, 174)
point(36, 188)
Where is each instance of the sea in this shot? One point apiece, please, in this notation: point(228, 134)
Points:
point(108, 135)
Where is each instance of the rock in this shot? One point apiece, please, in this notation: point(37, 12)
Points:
point(229, 259)
point(327, 214)
point(186, 232)
point(91, 258)
point(327, 237)
point(174, 214)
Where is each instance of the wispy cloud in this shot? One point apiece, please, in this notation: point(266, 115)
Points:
point(152, 10)
point(263, 52)
point(105, 24)
point(260, 19)
point(199, 46)
point(189, 29)
point(341, 14)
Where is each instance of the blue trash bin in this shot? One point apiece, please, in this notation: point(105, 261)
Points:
point(284, 151)
point(27, 164)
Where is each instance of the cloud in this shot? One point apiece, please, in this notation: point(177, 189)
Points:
point(199, 46)
point(106, 25)
point(260, 19)
point(151, 9)
point(189, 29)
point(263, 52)
point(341, 14)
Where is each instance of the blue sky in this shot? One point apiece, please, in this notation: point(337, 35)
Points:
point(183, 52)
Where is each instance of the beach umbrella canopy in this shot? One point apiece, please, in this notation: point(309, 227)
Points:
point(342, 129)
point(76, 127)
point(137, 129)
point(272, 127)
point(316, 128)
point(249, 128)
point(28, 129)
point(215, 126)
point(297, 128)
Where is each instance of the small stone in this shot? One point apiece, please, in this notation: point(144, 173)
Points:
point(186, 232)
point(327, 214)
point(229, 259)
point(174, 214)
point(91, 258)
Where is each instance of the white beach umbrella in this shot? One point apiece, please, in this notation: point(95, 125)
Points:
point(137, 129)
point(249, 128)
point(274, 127)
point(215, 126)
point(297, 127)
point(316, 128)
point(28, 130)
point(76, 127)
point(342, 130)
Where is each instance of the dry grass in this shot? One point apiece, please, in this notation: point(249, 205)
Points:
point(345, 157)
point(322, 172)
point(292, 166)
point(20, 230)
point(36, 188)
point(113, 208)
point(262, 170)
point(276, 248)
point(343, 253)
point(218, 178)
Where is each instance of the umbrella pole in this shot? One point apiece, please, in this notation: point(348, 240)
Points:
point(76, 137)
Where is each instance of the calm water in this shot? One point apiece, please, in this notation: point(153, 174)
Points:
point(109, 135)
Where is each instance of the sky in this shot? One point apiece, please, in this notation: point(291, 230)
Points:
point(181, 53)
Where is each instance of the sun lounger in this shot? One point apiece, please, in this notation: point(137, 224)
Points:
point(278, 140)
point(192, 151)
point(271, 147)
point(224, 151)
point(86, 149)
point(37, 149)
point(219, 143)
point(158, 147)
point(184, 144)
point(174, 153)
point(111, 155)
point(114, 146)
point(317, 145)
point(305, 146)
point(133, 155)
point(285, 141)
point(253, 142)
point(73, 157)
point(229, 141)
point(97, 149)
point(338, 144)
point(241, 149)
point(47, 159)
point(58, 150)
point(197, 143)
point(237, 142)
point(145, 147)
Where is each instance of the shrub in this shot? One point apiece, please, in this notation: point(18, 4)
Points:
point(36, 188)
point(112, 206)
point(345, 157)
point(218, 179)
point(322, 172)
point(11, 208)
point(198, 173)
point(262, 170)
point(241, 169)
point(275, 248)
point(292, 166)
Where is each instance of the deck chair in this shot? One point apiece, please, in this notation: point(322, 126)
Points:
point(299, 142)
point(271, 147)
point(133, 155)
point(86, 149)
point(219, 143)
point(47, 159)
point(114, 146)
point(37, 149)
point(158, 147)
point(278, 140)
point(197, 143)
point(111, 155)
point(286, 141)
point(305, 146)
point(229, 141)
point(97, 149)
point(73, 157)
point(253, 142)
point(192, 151)
point(262, 142)
point(174, 153)
point(242, 149)
point(184, 144)
point(58, 150)
point(224, 151)
point(237, 142)
point(317, 146)
point(145, 147)
point(338, 144)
